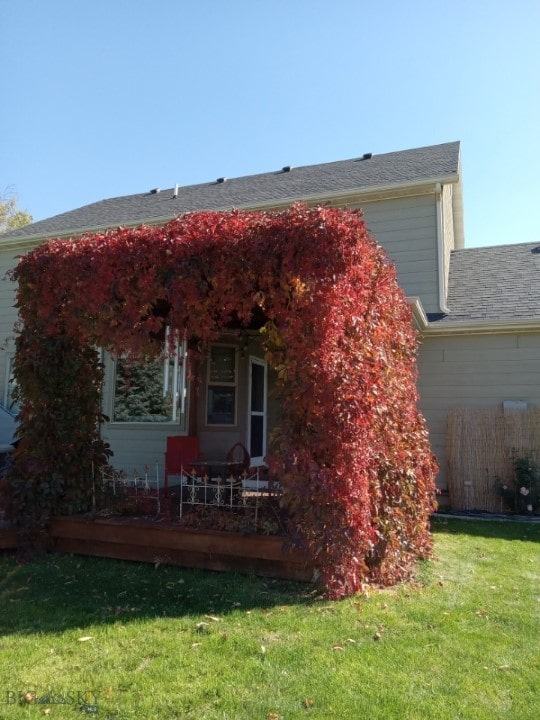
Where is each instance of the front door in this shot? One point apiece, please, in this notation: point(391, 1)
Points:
point(257, 404)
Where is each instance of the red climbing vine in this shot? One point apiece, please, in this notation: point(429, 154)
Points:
point(352, 451)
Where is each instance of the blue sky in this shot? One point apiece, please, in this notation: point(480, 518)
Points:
point(111, 97)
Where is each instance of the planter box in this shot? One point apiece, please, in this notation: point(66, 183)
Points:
point(149, 541)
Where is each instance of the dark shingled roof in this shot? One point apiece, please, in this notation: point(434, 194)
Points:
point(493, 283)
point(432, 163)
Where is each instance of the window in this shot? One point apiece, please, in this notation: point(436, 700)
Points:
point(9, 401)
point(152, 392)
point(222, 375)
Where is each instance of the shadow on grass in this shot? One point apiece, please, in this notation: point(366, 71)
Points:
point(499, 529)
point(54, 593)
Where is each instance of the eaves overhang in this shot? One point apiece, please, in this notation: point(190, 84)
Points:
point(336, 198)
point(420, 318)
point(375, 192)
point(482, 327)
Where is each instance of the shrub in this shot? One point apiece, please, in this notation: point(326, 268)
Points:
point(352, 453)
point(522, 493)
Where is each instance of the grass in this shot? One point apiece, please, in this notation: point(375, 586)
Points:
point(461, 642)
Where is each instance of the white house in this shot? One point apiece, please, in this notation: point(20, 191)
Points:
point(477, 310)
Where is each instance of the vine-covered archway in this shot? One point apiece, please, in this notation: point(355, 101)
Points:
point(352, 452)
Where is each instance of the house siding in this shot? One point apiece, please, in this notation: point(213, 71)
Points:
point(8, 317)
point(474, 371)
point(407, 229)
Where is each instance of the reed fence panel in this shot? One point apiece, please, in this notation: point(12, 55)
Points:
point(481, 446)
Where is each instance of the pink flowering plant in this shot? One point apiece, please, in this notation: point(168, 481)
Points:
point(522, 493)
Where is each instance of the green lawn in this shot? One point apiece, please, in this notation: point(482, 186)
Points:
point(164, 642)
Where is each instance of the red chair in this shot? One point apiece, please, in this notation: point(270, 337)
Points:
point(181, 451)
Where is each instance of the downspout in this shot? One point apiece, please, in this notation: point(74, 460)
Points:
point(440, 251)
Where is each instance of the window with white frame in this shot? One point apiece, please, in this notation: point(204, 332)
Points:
point(222, 385)
point(154, 392)
point(257, 416)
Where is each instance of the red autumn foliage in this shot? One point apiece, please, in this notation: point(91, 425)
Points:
point(352, 452)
